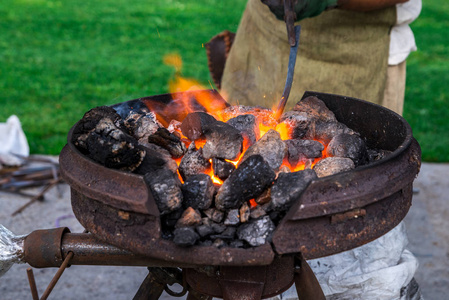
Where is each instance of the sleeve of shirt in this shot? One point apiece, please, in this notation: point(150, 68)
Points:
point(402, 40)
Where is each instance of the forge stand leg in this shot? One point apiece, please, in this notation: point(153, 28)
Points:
point(307, 286)
point(156, 282)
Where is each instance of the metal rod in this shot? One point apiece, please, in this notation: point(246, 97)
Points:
point(58, 275)
point(39, 196)
point(290, 73)
point(89, 250)
point(32, 282)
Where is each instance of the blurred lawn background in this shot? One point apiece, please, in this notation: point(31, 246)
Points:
point(58, 59)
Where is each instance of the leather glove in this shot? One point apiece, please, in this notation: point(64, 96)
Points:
point(302, 8)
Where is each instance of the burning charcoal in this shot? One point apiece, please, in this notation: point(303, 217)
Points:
point(214, 214)
point(133, 107)
point(141, 126)
point(350, 146)
point(325, 131)
point(228, 234)
point(193, 162)
point(156, 158)
point(246, 124)
point(265, 197)
point(222, 168)
point(244, 212)
point(198, 191)
point(256, 232)
point(248, 181)
point(91, 119)
point(162, 137)
point(288, 187)
point(185, 237)
point(300, 150)
point(100, 136)
point(193, 124)
point(257, 212)
point(166, 190)
point(270, 147)
point(232, 218)
point(189, 218)
point(316, 108)
point(222, 141)
point(333, 165)
point(298, 122)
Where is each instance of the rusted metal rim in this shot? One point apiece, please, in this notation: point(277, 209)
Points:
point(118, 208)
point(140, 234)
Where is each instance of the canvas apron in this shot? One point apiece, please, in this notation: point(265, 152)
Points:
point(340, 52)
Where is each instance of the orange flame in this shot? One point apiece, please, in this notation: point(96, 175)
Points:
point(266, 121)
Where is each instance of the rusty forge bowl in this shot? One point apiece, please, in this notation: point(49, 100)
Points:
point(334, 214)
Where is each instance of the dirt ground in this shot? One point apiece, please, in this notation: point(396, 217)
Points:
point(427, 224)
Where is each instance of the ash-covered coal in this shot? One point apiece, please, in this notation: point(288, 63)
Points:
point(198, 191)
point(169, 141)
point(271, 147)
point(193, 162)
point(299, 151)
point(190, 166)
point(101, 136)
point(288, 187)
point(247, 126)
point(248, 181)
point(333, 165)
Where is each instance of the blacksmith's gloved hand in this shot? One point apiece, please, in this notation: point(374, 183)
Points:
point(302, 8)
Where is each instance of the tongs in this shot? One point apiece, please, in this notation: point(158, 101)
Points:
point(293, 39)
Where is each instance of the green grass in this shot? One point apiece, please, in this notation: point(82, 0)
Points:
point(427, 93)
point(58, 59)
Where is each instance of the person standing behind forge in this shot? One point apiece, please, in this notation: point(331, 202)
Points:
point(342, 51)
point(354, 48)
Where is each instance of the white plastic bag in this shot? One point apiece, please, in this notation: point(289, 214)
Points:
point(13, 142)
point(377, 270)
